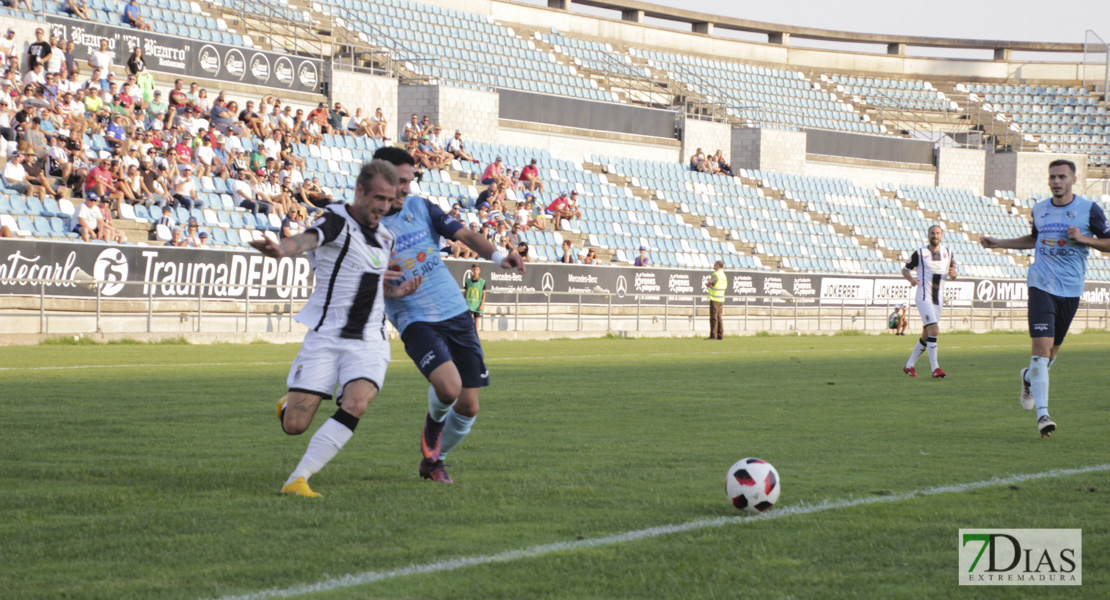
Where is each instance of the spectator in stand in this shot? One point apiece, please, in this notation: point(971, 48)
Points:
point(530, 178)
point(39, 51)
point(177, 239)
point(7, 45)
point(515, 235)
point(71, 67)
point(522, 250)
point(559, 209)
point(642, 260)
point(590, 258)
point(422, 160)
point(178, 99)
point(136, 63)
point(208, 164)
point(569, 256)
point(34, 141)
point(354, 124)
point(77, 8)
point(132, 17)
point(293, 223)
point(313, 194)
point(437, 160)
point(15, 178)
point(457, 148)
point(253, 121)
point(131, 184)
point(108, 231)
point(115, 134)
point(698, 161)
point(202, 239)
point(167, 218)
point(37, 176)
point(412, 130)
point(495, 171)
point(722, 166)
point(192, 233)
point(539, 216)
point(6, 232)
point(36, 76)
point(57, 160)
point(102, 58)
point(378, 124)
point(335, 118)
point(185, 189)
point(154, 185)
point(243, 195)
point(55, 65)
point(86, 221)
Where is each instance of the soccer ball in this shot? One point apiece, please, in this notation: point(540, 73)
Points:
point(752, 485)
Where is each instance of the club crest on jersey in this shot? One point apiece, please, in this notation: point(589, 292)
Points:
point(297, 374)
point(1071, 214)
point(374, 256)
point(408, 218)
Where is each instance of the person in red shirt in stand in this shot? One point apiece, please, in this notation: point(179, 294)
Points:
point(100, 184)
point(183, 151)
point(530, 178)
point(178, 98)
point(495, 171)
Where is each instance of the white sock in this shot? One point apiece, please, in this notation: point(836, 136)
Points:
point(1038, 382)
point(437, 409)
point(932, 347)
point(1051, 362)
point(918, 348)
point(455, 429)
point(324, 445)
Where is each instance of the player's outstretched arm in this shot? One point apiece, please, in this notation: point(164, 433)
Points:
point(478, 243)
point(909, 276)
point(290, 246)
point(1024, 242)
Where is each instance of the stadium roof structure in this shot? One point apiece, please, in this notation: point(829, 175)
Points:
point(634, 10)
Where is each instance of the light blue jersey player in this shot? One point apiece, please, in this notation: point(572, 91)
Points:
point(435, 322)
point(1065, 227)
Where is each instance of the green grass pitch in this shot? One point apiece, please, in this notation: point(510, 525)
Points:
point(156, 474)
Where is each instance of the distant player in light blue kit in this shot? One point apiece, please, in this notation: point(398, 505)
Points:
point(1064, 227)
point(435, 322)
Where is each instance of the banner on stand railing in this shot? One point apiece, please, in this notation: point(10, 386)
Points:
point(224, 274)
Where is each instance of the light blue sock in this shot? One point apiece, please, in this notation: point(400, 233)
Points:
point(1038, 383)
point(455, 429)
point(437, 409)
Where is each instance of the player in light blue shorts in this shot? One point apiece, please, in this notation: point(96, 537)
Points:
point(1065, 227)
point(435, 322)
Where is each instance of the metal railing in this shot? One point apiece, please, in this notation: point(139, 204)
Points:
point(594, 313)
point(273, 22)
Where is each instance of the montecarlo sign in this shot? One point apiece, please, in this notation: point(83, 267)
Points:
point(218, 274)
point(191, 57)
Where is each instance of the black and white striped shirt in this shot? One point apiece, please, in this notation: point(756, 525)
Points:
point(350, 264)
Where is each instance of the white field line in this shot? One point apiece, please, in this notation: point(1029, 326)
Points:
point(452, 564)
point(516, 358)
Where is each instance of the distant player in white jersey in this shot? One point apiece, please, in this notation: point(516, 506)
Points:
point(927, 270)
point(346, 343)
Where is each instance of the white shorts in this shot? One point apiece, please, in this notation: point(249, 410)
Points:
point(930, 313)
point(325, 362)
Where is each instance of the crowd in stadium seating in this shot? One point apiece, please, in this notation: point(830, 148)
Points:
point(710, 164)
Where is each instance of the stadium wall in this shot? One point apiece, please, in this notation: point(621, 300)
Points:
point(573, 144)
point(1026, 173)
point(769, 149)
point(710, 136)
point(475, 112)
point(963, 168)
point(368, 92)
point(868, 173)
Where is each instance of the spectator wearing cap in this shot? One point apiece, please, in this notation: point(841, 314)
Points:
point(559, 209)
point(495, 172)
point(58, 163)
point(438, 160)
point(642, 260)
point(202, 239)
point(208, 164)
point(7, 45)
point(85, 221)
point(15, 178)
point(530, 178)
point(132, 17)
point(185, 189)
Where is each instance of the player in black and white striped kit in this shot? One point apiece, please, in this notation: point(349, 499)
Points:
point(346, 342)
point(927, 270)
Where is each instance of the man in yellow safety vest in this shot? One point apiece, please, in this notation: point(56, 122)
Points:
point(716, 286)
